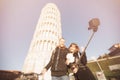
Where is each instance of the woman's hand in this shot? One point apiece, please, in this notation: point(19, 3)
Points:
point(67, 62)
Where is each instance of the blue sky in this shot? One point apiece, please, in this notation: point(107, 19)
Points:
point(18, 20)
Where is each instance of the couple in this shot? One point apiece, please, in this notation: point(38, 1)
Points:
point(63, 59)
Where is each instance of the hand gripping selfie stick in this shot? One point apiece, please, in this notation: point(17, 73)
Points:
point(93, 24)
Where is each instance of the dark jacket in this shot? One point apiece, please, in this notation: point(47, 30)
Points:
point(83, 60)
point(83, 73)
point(57, 62)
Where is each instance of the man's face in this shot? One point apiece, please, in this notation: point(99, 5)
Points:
point(62, 42)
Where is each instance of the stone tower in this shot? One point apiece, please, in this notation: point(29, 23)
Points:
point(45, 39)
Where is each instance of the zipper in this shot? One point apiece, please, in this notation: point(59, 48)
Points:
point(57, 58)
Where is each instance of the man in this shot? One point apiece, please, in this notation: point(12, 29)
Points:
point(57, 62)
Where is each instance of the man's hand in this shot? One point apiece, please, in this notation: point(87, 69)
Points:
point(44, 71)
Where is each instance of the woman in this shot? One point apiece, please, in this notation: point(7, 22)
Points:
point(79, 68)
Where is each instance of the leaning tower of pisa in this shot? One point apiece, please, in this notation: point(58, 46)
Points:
point(45, 39)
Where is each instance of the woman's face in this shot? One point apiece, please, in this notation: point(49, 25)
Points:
point(73, 48)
